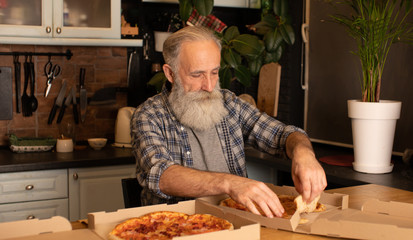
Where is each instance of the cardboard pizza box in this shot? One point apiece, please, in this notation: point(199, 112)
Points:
point(46, 229)
point(104, 222)
point(376, 220)
point(331, 201)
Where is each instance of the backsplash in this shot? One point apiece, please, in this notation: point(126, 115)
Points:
point(105, 67)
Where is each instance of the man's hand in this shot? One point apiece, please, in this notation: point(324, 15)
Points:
point(308, 175)
point(247, 192)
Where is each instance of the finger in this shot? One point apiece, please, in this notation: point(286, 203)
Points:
point(265, 209)
point(251, 206)
point(276, 207)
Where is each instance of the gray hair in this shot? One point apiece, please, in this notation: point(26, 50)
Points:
point(172, 45)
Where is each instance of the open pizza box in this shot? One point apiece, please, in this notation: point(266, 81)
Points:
point(104, 222)
point(331, 201)
point(376, 220)
point(47, 229)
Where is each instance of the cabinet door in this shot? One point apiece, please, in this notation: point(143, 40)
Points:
point(31, 18)
point(36, 209)
point(33, 185)
point(86, 19)
point(96, 189)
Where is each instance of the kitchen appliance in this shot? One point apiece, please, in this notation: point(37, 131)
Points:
point(122, 127)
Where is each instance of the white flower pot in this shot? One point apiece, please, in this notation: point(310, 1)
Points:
point(160, 38)
point(373, 126)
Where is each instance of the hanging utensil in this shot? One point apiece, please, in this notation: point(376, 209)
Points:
point(58, 103)
point(68, 101)
point(51, 71)
point(83, 95)
point(74, 102)
point(33, 99)
point(25, 99)
point(17, 76)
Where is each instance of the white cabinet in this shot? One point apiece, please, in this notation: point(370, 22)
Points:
point(63, 22)
point(33, 194)
point(96, 189)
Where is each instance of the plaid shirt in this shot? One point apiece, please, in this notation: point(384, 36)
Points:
point(159, 140)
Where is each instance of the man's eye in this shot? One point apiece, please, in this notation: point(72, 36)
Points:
point(196, 75)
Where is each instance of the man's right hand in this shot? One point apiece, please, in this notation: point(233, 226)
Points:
point(253, 193)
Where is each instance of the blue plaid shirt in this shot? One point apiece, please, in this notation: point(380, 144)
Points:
point(159, 140)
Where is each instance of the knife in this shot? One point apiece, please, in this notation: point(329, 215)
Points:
point(68, 101)
point(58, 103)
point(83, 95)
point(75, 113)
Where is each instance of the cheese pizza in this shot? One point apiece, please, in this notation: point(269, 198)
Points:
point(166, 225)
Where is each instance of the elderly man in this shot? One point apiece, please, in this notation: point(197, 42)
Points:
point(189, 139)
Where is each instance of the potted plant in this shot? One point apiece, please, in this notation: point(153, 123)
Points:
point(243, 55)
point(375, 25)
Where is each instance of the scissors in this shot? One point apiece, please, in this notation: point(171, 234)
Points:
point(51, 71)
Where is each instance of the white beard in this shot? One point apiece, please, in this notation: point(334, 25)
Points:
point(198, 110)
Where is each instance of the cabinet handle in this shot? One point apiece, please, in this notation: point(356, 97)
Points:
point(75, 176)
point(58, 30)
point(29, 187)
point(30, 217)
point(48, 29)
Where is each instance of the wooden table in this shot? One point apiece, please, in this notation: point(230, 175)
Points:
point(358, 194)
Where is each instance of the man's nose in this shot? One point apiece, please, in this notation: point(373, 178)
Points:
point(208, 84)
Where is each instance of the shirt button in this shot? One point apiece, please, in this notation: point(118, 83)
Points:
point(188, 153)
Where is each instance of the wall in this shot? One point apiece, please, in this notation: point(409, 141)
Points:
point(105, 67)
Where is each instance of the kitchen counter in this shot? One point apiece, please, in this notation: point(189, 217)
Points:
point(16, 162)
point(401, 177)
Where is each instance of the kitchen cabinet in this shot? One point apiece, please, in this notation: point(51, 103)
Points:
point(33, 194)
point(63, 22)
point(96, 189)
point(222, 3)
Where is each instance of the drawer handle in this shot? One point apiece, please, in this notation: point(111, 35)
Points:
point(30, 217)
point(75, 176)
point(29, 187)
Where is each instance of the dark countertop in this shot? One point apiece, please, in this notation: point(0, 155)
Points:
point(401, 176)
point(15, 162)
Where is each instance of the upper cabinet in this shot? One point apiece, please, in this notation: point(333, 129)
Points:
point(62, 22)
point(222, 3)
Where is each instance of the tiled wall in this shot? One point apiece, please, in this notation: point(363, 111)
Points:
point(105, 67)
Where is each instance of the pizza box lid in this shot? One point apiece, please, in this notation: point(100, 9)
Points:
point(46, 229)
point(104, 222)
point(376, 220)
point(331, 201)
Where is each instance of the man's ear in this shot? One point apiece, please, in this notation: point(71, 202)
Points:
point(168, 73)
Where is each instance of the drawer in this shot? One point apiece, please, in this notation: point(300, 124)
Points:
point(36, 209)
point(33, 185)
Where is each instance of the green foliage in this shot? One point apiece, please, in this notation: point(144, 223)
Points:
point(244, 54)
point(376, 25)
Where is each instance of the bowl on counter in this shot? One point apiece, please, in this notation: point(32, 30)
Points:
point(97, 143)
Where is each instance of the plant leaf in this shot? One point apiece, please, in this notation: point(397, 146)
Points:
point(204, 7)
point(274, 56)
point(287, 32)
point(280, 8)
point(272, 40)
point(231, 57)
point(255, 66)
point(243, 75)
point(157, 81)
point(231, 33)
point(248, 45)
point(225, 77)
point(185, 9)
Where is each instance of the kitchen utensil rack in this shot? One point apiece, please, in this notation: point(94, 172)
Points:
point(68, 54)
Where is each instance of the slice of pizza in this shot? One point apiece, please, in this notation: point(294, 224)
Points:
point(291, 204)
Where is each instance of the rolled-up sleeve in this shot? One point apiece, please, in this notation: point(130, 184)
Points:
point(150, 151)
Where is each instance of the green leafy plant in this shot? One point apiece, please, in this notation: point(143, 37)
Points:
point(376, 25)
point(243, 55)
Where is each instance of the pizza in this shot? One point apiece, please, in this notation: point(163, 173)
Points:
point(291, 204)
point(166, 225)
